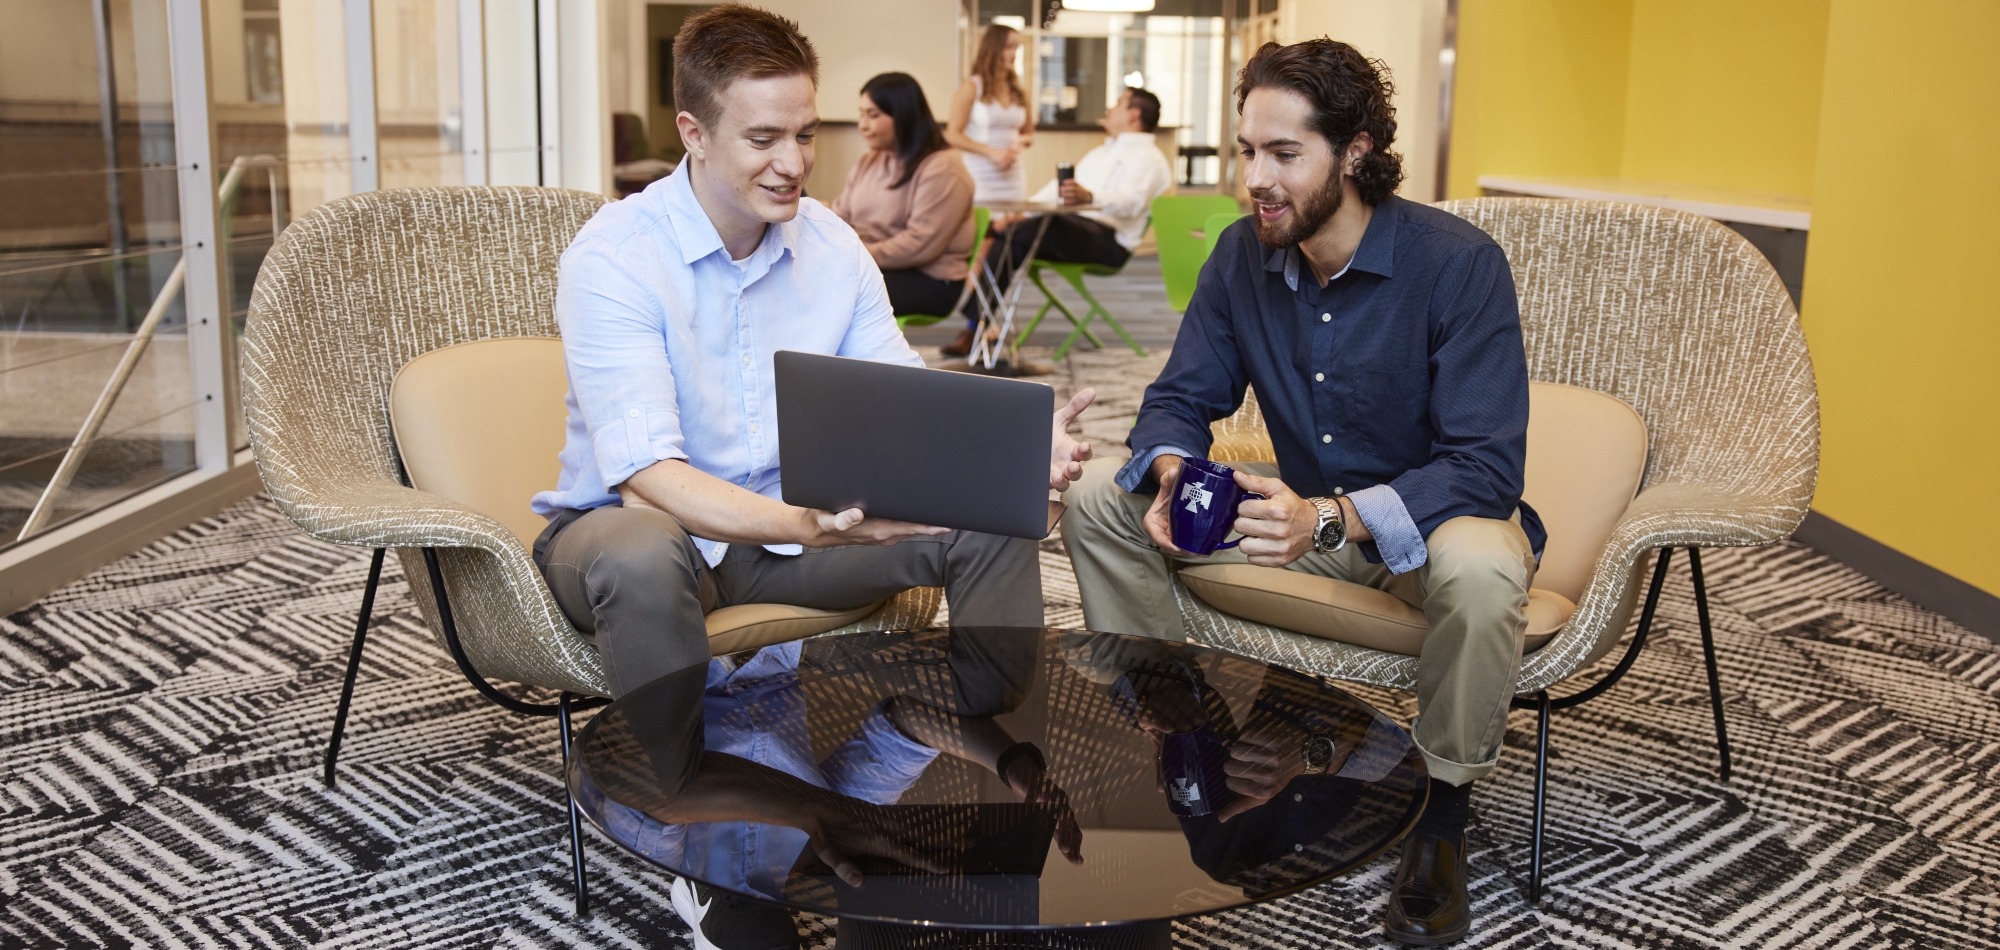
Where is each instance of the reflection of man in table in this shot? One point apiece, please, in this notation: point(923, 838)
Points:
point(1121, 177)
point(672, 304)
point(1385, 346)
point(744, 795)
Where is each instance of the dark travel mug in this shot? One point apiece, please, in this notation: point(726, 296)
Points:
point(1204, 506)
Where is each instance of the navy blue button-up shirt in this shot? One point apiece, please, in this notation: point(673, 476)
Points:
point(1402, 382)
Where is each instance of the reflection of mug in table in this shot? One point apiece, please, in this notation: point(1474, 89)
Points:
point(1204, 506)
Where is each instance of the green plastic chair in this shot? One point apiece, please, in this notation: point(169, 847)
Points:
point(1212, 232)
point(1180, 228)
point(980, 216)
point(1074, 273)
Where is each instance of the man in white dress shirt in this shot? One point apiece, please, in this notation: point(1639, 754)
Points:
point(1121, 177)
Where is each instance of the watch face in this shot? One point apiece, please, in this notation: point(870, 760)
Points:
point(1329, 536)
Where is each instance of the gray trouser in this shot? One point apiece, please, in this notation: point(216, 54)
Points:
point(1473, 589)
point(633, 579)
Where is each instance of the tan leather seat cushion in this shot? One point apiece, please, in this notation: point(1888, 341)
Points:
point(481, 424)
point(749, 626)
point(1586, 454)
point(1340, 610)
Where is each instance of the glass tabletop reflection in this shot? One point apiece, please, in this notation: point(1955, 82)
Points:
point(998, 777)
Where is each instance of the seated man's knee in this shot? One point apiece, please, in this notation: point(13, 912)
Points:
point(1480, 551)
point(644, 543)
point(1095, 496)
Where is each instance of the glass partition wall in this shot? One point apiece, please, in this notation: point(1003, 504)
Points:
point(102, 392)
point(1078, 62)
point(96, 395)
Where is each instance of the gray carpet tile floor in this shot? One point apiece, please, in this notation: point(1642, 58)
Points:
point(163, 721)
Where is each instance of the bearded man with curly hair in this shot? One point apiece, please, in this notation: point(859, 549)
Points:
point(1384, 342)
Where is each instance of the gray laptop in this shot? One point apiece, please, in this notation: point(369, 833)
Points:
point(924, 445)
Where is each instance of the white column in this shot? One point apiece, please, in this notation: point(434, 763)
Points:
point(358, 33)
point(472, 89)
point(209, 339)
point(548, 83)
point(585, 143)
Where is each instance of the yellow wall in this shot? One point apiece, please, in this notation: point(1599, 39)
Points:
point(1721, 93)
point(1900, 308)
point(1539, 89)
point(1725, 93)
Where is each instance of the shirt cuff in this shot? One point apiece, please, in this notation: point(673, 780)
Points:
point(1135, 473)
point(1388, 522)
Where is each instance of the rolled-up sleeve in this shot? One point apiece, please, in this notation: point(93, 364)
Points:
point(879, 764)
point(614, 345)
point(1479, 397)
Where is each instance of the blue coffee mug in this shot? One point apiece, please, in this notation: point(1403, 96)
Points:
point(1204, 506)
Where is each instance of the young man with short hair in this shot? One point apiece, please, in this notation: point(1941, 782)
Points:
point(1384, 342)
point(672, 303)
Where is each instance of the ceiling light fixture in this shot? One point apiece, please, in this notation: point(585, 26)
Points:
point(1109, 6)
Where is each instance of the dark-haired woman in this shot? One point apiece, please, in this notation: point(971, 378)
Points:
point(910, 198)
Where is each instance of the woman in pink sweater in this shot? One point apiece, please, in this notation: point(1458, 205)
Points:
point(910, 198)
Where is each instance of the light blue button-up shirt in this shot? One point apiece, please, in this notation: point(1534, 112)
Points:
point(669, 342)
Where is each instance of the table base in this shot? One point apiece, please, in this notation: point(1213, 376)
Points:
point(870, 935)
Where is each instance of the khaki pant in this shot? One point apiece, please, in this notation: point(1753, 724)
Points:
point(1473, 588)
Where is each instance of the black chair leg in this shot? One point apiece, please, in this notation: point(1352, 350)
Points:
point(1708, 656)
point(1541, 797)
point(575, 816)
point(353, 663)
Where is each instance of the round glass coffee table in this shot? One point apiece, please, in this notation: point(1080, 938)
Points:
point(860, 776)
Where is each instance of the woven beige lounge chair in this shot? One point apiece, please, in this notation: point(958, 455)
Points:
point(364, 287)
point(1684, 321)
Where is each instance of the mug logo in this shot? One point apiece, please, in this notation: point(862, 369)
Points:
point(1184, 792)
point(1196, 495)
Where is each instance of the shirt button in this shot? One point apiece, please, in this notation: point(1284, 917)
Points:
point(1326, 438)
point(753, 427)
point(635, 413)
point(746, 361)
point(1326, 318)
point(1336, 489)
point(1319, 377)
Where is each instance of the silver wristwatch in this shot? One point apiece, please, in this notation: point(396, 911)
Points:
point(1330, 534)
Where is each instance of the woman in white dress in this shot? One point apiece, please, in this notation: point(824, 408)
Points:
point(991, 125)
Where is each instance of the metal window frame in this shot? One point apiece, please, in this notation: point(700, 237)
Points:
point(472, 88)
point(363, 146)
point(206, 291)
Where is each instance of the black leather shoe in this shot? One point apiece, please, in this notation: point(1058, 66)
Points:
point(1429, 906)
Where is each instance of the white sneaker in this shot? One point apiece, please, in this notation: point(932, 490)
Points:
point(719, 920)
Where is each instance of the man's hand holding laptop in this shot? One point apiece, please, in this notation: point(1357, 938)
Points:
point(713, 508)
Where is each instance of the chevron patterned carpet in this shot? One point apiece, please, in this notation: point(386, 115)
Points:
point(163, 721)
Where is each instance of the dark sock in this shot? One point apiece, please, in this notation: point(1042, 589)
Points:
point(1449, 809)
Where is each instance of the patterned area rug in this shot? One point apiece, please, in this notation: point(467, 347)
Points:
point(163, 722)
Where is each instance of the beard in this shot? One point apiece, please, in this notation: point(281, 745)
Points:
point(1310, 212)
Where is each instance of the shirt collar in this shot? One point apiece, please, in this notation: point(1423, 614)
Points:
point(697, 236)
point(1133, 138)
point(1376, 254)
